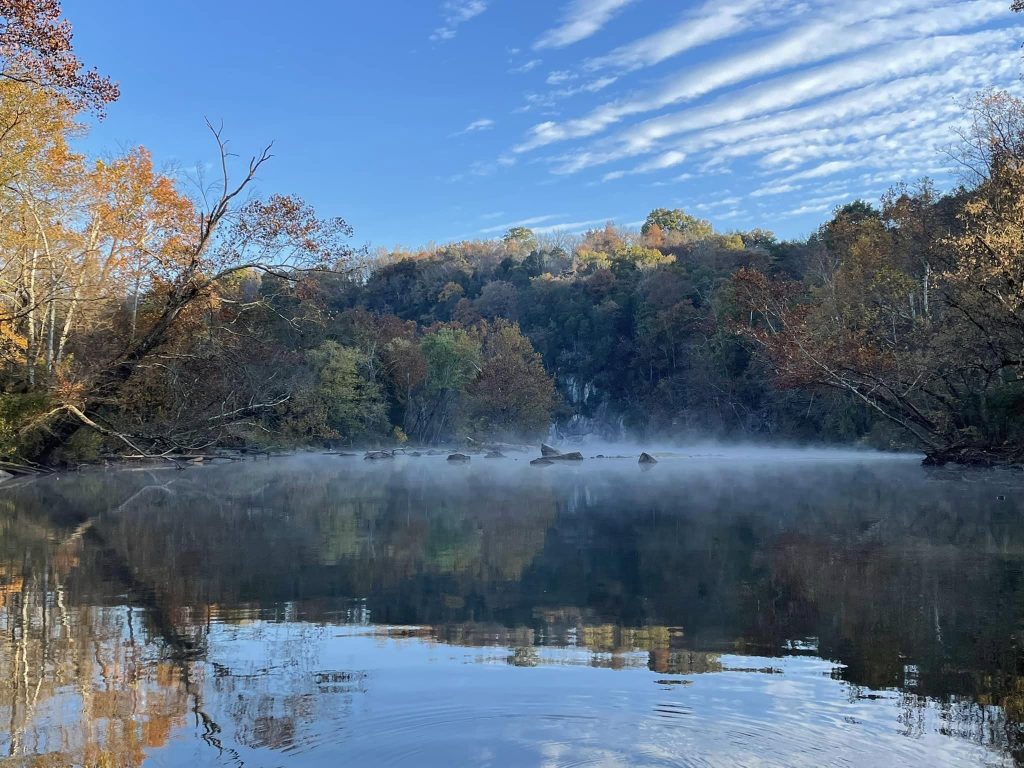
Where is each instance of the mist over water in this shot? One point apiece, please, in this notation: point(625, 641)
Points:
point(727, 605)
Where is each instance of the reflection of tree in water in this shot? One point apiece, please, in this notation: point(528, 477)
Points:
point(76, 683)
point(910, 584)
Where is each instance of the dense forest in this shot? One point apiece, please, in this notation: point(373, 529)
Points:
point(143, 315)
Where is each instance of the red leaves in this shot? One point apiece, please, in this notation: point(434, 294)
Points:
point(287, 223)
point(35, 46)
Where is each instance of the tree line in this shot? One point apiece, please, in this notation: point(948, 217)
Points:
point(143, 316)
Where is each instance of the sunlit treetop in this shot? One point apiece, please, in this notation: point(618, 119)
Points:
point(35, 47)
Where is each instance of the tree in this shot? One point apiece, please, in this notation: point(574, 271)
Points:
point(452, 358)
point(35, 47)
point(341, 400)
point(499, 299)
point(662, 221)
point(280, 236)
point(513, 395)
point(521, 239)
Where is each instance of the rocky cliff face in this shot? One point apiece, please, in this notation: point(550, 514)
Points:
point(591, 413)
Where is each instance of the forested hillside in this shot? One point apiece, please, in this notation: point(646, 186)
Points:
point(138, 317)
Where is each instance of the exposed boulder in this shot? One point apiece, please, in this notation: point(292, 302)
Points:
point(542, 462)
point(494, 455)
point(573, 456)
point(374, 455)
point(458, 457)
point(646, 458)
point(547, 451)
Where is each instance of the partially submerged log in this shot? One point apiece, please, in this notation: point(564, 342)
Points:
point(970, 456)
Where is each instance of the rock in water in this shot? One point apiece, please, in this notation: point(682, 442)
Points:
point(542, 462)
point(547, 451)
point(646, 458)
point(373, 455)
point(458, 457)
point(494, 455)
point(574, 456)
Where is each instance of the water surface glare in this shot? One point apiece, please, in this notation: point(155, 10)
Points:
point(719, 608)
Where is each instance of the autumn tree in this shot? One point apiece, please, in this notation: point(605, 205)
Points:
point(521, 239)
point(662, 221)
point(452, 357)
point(35, 47)
point(175, 259)
point(513, 395)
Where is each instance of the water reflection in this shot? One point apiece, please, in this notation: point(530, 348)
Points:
point(328, 610)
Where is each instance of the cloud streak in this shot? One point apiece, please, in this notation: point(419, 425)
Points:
point(483, 124)
point(852, 32)
point(456, 13)
point(580, 20)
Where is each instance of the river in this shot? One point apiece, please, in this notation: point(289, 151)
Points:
point(722, 607)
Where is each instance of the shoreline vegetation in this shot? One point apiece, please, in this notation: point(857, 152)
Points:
point(142, 321)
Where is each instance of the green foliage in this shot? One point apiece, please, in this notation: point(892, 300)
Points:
point(17, 413)
point(339, 399)
point(676, 220)
point(520, 237)
point(642, 257)
point(453, 359)
point(84, 446)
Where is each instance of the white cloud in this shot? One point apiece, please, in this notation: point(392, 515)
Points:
point(862, 26)
point(571, 227)
point(483, 124)
point(775, 189)
point(547, 100)
point(661, 162)
point(522, 223)
point(715, 21)
point(830, 168)
point(876, 68)
point(557, 78)
point(580, 20)
point(456, 12)
point(528, 66)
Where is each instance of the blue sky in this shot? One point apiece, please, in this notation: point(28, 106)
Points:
point(436, 120)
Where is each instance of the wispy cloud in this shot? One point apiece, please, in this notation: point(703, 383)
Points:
point(669, 159)
point(846, 33)
point(715, 21)
point(876, 68)
point(562, 76)
point(571, 227)
point(580, 20)
point(483, 124)
point(528, 222)
point(830, 168)
point(775, 189)
point(527, 66)
point(457, 12)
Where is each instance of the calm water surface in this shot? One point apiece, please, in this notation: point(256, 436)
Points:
point(734, 609)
